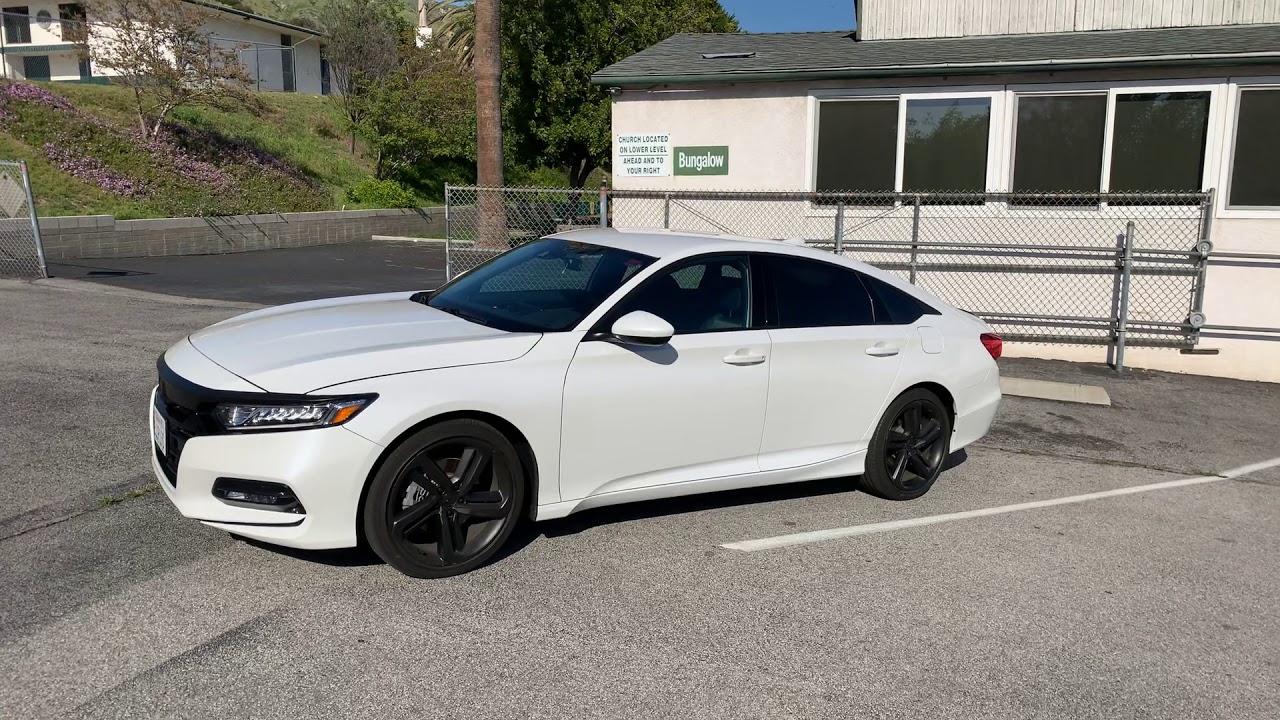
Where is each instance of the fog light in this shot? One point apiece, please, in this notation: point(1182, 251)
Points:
point(257, 494)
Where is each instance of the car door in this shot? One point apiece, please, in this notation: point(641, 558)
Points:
point(636, 416)
point(831, 367)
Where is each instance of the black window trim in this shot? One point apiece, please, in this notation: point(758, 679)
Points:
point(602, 329)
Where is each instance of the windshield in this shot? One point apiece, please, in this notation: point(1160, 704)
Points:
point(548, 285)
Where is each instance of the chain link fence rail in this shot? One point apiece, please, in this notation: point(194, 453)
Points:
point(1102, 269)
point(21, 254)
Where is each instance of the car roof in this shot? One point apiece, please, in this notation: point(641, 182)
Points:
point(677, 243)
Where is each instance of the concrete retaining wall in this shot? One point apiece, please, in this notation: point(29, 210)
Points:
point(102, 236)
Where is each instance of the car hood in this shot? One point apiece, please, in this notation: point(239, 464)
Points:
point(304, 347)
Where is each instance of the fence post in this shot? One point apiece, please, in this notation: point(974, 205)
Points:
point(35, 220)
point(1204, 246)
point(604, 202)
point(448, 235)
point(1126, 275)
point(257, 66)
point(666, 211)
point(840, 228)
point(915, 235)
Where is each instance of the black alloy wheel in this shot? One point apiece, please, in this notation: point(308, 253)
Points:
point(446, 500)
point(909, 447)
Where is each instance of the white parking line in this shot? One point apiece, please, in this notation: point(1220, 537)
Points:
point(835, 533)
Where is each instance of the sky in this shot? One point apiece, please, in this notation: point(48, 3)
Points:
point(791, 15)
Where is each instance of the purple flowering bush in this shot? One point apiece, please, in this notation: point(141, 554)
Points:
point(181, 171)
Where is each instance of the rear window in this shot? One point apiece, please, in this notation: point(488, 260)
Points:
point(893, 306)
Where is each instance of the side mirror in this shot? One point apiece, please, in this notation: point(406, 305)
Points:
point(642, 328)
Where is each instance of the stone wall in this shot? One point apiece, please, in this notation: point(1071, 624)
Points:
point(102, 236)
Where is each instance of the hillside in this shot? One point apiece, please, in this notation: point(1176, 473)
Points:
point(286, 152)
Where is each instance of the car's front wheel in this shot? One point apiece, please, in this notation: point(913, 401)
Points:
point(445, 500)
point(909, 447)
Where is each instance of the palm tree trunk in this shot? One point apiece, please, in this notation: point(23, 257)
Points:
point(492, 231)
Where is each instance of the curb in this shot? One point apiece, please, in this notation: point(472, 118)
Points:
point(1061, 392)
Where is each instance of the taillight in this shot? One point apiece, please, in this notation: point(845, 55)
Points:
point(993, 344)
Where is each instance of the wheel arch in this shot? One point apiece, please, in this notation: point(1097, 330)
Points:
point(527, 457)
point(948, 400)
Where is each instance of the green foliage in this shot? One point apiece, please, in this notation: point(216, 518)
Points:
point(371, 192)
point(551, 113)
point(423, 111)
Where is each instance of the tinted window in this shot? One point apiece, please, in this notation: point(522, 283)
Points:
point(810, 293)
point(857, 145)
point(1159, 142)
point(894, 307)
point(1254, 180)
point(704, 295)
point(1058, 146)
point(946, 145)
point(547, 285)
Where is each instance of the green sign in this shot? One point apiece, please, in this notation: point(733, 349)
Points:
point(701, 160)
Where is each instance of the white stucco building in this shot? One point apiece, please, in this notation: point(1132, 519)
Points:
point(1043, 96)
point(43, 40)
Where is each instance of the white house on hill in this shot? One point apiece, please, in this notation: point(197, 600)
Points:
point(44, 40)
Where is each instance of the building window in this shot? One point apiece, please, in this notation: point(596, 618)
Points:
point(1255, 181)
point(286, 62)
point(1158, 142)
point(325, 87)
point(946, 145)
point(72, 18)
point(86, 69)
point(17, 25)
point(857, 146)
point(1058, 143)
point(36, 67)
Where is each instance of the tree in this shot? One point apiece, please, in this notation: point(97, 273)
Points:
point(364, 48)
point(453, 27)
point(551, 47)
point(488, 75)
point(423, 111)
point(158, 50)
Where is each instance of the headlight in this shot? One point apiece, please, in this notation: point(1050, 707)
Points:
point(291, 416)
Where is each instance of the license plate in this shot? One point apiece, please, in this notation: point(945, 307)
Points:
point(159, 430)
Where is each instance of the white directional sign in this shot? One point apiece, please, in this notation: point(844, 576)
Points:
point(642, 155)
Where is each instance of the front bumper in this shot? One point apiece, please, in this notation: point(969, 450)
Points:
point(325, 467)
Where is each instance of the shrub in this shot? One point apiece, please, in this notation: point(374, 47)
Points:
point(381, 193)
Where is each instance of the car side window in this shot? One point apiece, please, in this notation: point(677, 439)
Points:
point(702, 295)
point(893, 306)
point(811, 293)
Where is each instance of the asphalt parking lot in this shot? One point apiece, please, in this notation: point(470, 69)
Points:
point(1156, 604)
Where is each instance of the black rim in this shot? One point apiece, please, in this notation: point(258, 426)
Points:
point(916, 446)
point(451, 500)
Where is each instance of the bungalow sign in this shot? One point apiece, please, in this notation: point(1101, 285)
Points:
point(702, 160)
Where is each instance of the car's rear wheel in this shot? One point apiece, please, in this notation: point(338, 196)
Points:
point(445, 500)
point(909, 447)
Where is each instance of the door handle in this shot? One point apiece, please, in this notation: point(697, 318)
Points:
point(882, 350)
point(744, 358)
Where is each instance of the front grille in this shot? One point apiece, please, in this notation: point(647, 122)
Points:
point(187, 414)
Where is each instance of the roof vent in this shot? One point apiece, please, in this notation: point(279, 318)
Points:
point(727, 56)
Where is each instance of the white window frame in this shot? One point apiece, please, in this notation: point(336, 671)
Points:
point(1231, 119)
point(995, 148)
point(1011, 121)
point(1213, 129)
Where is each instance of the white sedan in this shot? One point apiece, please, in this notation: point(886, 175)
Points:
point(584, 369)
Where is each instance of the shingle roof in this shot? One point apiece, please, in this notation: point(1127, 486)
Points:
point(679, 59)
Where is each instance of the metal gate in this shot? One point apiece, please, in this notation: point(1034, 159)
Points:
point(1080, 269)
point(21, 254)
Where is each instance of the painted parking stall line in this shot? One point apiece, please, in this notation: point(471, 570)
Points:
point(814, 536)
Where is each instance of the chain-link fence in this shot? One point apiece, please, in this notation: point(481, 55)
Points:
point(1104, 269)
point(21, 254)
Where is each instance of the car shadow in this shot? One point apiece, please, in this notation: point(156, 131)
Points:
point(528, 531)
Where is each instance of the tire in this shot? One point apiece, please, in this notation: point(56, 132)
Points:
point(925, 441)
point(445, 500)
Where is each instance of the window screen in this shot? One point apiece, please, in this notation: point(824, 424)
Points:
point(857, 143)
point(1058, 146)
point(1255, 167)
point(35, 67)
point(946, 145)
point(1159, 142)
point(17, 25)
point(809, 293)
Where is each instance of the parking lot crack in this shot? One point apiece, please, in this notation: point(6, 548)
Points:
point(1111, 462)
point(73, 507)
